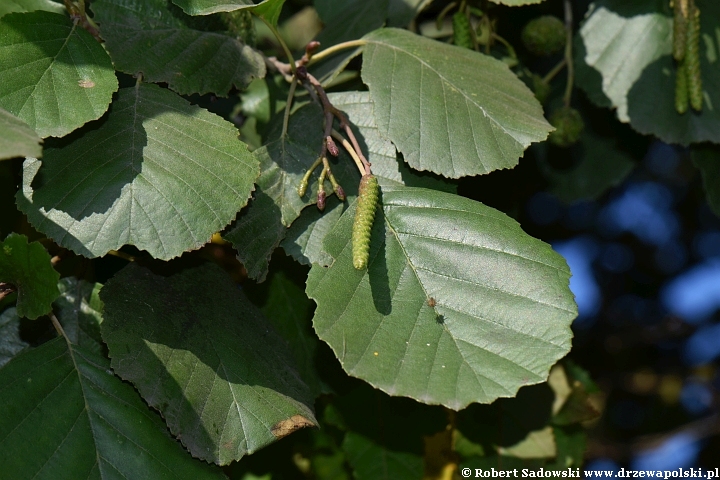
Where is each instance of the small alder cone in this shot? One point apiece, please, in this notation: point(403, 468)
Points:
point(368, 194)
point(544, 35)
point(568, 127)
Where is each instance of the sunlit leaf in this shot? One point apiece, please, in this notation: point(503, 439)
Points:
point(9, 6)
point(18, 140)
point(147, 38)
point(53, 74)
point(448, 109)
point(269, 10)
point(27, 267)
point(201, 353)
point(93, 424)
point(157, 173)
point(638, 77)
point(457, 305)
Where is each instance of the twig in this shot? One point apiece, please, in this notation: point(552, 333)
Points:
point(6, 289)
point(58, 327)
point(555, 70)
point(288, 106)
point(334, 49)
point(568, 53)
point(282, 43)
point(336, 135)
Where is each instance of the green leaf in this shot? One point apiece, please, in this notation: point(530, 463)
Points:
point(502, 306)
point(28, 268)
point(147, 38)
point(93, 424)
point(304, 239)
point(79, 310)
point(349, 19)
point(9, 6)
point(257, 233)
point(479, 116)
point(176, 175)
point(206, 7)
point(371, 461)
point(269, 10)
point(638, 77)
point(18, 140)
point(707, 160)
point(201, 353)
point(53, 74)
point(10, 342)
point(290, 312)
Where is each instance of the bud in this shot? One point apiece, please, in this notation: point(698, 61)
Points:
point(340, 193)
point(331, 146)
point(321, 200)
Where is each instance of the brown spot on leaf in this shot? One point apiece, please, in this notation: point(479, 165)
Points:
point(86, 83)
point(289, 425)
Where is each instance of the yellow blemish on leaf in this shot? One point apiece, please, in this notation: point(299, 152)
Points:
point(289, 425)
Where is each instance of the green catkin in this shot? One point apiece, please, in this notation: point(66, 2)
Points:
point(681, 88)
point(461, 31)
point(692, 59)
point(368, 194)
point(680, 26)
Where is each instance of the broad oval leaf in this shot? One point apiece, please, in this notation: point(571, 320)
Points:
point(157, 173)
point(629, 44)
point(201, 353)
point(53, 74)
point(458, 304)
point(93, 424)
point(18, 139)
point(27, 267)
point(9, 6)
point(448, 109)
point(147, 38)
